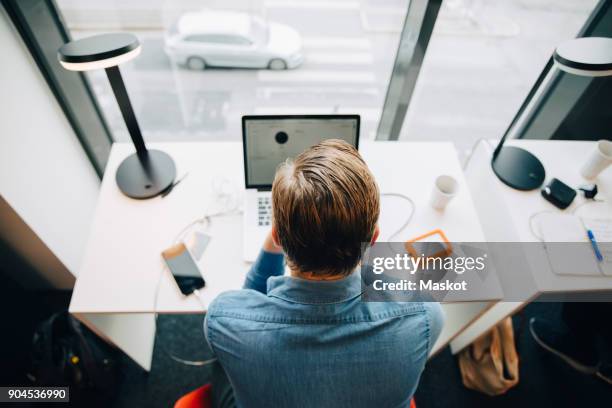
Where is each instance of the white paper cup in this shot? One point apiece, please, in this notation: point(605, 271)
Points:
point(445, 188)
point(598, 160)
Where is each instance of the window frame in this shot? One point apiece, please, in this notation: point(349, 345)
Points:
point(72, 90)
point(417, 30)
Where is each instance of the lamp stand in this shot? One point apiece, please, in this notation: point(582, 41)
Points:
point(146, 173)
point(518, 168)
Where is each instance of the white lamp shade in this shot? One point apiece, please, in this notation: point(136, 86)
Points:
point(99, 51)
point(105, 63)
point(585, 56)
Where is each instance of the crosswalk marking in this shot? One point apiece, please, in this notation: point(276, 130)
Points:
point(367, 114)
point(305, 75)
point(269, 92)
point(355, 58)
point(293, 110)
point(320, 5)
point(341, 43)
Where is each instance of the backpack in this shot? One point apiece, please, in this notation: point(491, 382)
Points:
point(65, 353)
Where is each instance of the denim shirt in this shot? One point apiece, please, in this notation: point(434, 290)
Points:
point(290, 342)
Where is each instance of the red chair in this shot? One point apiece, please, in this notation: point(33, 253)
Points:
point(200, 398)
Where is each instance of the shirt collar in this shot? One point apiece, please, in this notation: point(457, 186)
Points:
point(315, 292)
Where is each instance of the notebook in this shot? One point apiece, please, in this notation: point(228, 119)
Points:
point(568, 248)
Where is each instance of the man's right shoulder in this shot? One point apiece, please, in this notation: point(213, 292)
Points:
point(234, 301)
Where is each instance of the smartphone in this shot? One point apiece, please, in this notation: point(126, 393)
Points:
point(183, 268)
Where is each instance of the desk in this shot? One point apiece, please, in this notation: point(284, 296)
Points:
point(504, 214)
point(115, 292)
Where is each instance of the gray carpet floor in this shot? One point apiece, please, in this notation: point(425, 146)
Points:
point(544, 381)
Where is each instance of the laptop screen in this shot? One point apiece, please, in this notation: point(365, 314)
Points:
point(269, 140)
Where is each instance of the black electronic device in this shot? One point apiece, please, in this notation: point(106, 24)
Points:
point(184, 268)
point(558, 193)
point(589, 191)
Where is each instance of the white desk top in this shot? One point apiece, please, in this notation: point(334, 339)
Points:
point(122, 263)
point(505, 211)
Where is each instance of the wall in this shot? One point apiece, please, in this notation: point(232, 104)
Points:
point(25, 258)
point(45, 176)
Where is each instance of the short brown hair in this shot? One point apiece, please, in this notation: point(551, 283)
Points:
point(325, 204)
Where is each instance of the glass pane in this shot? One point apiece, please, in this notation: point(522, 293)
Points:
point(483, 58)
point(573, 107)
point(338, 53)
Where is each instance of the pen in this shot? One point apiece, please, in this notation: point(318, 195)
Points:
point(594, 245)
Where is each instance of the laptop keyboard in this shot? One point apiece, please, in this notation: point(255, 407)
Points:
point(264, 211)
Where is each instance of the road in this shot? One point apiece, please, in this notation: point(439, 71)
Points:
point(481, 62)
point(346, 69)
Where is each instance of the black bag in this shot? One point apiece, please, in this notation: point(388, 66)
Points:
point(65, 353)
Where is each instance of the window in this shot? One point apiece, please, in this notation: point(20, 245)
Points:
point(218, 39)
point(339, 55)
point(200, 38)
point(481, 62)
point(570, 107)
point(453, 70)
point(235, 40)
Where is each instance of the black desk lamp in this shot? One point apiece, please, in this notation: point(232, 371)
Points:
point(585, 56)
point(146, 173)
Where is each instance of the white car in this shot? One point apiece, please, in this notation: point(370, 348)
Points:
point(212, 38)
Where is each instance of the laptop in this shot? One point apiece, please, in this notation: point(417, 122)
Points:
point(267, 142)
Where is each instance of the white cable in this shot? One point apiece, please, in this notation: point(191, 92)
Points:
point(177, 238)
point(193, 363)
point(232, 206)
point(473, 149)
point(533, 216)
point(408, 219)
point(531, 228)
point(198, 296)
point(235, 210)
point(586, 202)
